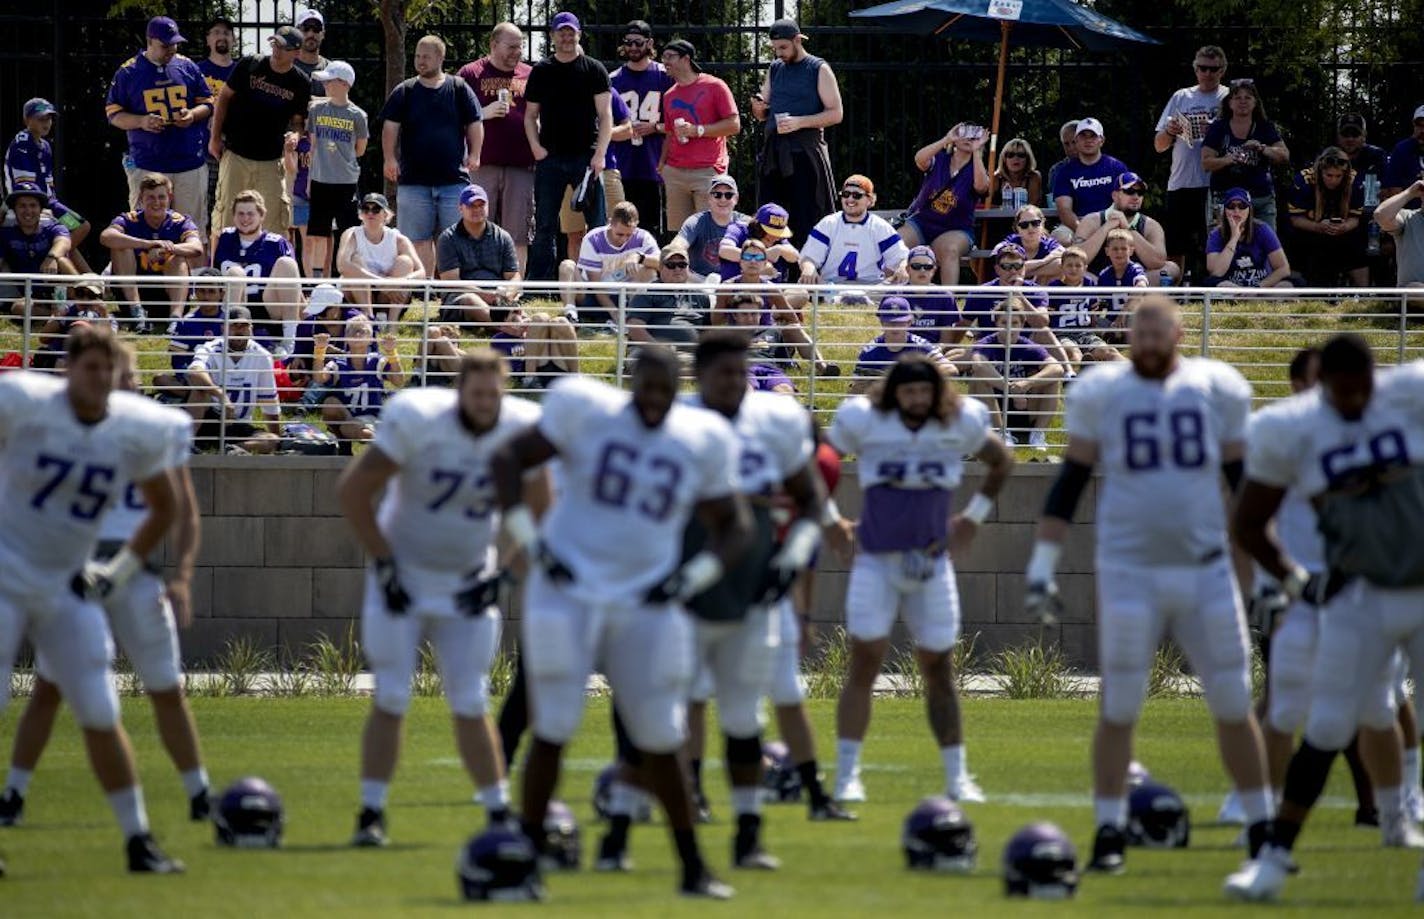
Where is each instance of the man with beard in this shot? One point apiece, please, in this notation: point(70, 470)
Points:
point(216, 68)
point(309, 60)
point(641, 82)
point(1149, 240)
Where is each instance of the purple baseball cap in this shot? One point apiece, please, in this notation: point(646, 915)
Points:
point(473, 193)
point(925, 251)
point(565, 20)
point(1236, 194)
point(774, 219)
point(36, 107)
point(1128, 180)
point(894, 310)
point(165, 30)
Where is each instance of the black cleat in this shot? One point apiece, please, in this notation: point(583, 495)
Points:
point(829, 810)
point(146, 858)
point(613, 855)
point(12, 807)
point(1108, 849)
point(200, 806)
point(747, 851)
point(370, 829)
point(703, 884)
point(704, 810)
point(1364, 816)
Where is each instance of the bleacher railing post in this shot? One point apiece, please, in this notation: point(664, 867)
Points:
point(1206, 326)
point(25, 324)
point(620, 335)
point(815, 349)
point(424, 355)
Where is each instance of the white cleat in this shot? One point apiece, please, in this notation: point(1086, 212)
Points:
point(966, 791)
point(1414, 803)
point(1231, 813)
point(1400, 833)
point(1262, 878)
point(849, 790)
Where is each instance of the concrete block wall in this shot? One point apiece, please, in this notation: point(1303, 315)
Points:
point(279, 564)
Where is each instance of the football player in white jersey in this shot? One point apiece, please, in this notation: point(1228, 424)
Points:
point(1165, 429)
point(1355, 445)
point(144, 615)
point(65, 445)
point(605, 588)
point(434, 571)
point(910, 434)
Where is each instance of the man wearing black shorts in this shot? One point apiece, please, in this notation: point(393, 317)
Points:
point(1181, 128)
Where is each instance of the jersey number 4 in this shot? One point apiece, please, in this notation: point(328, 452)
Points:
point(90, 497)
point(1187, 433)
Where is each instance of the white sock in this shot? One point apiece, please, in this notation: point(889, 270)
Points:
point(1412, 777)
point(1390, 802)
point(19, 779)
point(847, 758)
point(1110, 812)
point(373, 794)
point(1257, 803)
point(289, 335)
point(495, 797)
point(195, 781)
point(953, 757)
point(746, 800)
point(127, 805)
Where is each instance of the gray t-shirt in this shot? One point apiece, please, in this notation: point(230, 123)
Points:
point(1200, 109)
point(672, 317)
point(335, 130)
point(1409, 247)
point(488, 258)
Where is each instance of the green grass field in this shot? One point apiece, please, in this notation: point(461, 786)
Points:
point(1031, 758)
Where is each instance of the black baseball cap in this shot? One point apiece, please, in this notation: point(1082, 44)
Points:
point(638, 27)
point(683, 47)
point(785, 29)
point(1351, 120)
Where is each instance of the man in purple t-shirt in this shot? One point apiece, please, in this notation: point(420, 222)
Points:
point(1085, 185)
point(155, 241)
point(895, 338)
point(1017, 379)
point(640, 83)
point(506, 167)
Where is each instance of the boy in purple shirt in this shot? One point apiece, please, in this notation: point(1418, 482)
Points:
point(156, 241)
point(30, 158)
point(1121, 272)
point(1009, 265)
point(1077, 316)
point(1017, 379)
point(895, 338)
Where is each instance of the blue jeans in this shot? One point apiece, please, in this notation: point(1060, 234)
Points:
point(552, 175)
point(423, 211)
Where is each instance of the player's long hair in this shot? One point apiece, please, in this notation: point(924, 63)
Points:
point(915, 368)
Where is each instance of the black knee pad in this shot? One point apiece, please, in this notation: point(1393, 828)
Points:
point(743, 751)
point(1306, 776)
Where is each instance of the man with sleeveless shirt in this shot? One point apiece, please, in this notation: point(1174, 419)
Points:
point(799, 99)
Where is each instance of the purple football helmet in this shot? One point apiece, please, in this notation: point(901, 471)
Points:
point(249, 815)
point(499, 864)
point(939, 837)
point(1041, 863)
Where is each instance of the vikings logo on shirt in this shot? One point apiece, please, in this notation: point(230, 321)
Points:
point(944, 202)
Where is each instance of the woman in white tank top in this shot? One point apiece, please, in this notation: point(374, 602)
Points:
point(375, 251)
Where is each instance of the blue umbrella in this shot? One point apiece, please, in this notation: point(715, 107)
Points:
point(1045, 23)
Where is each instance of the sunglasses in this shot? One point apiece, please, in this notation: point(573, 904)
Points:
point(1243, 83)
point(372, 209)
point(1015, 155)
point(313, 28)
point(724, 195)
point(1352, 132)
point(1208, 68)
point(1010, 266)
point(753, 256)
point(922, 266)
point(1137, 190)
point(1335, 161)
point(634, 42)
point(1025, 224)
point(675, 266)
point(1237, 206)
point(847, 193)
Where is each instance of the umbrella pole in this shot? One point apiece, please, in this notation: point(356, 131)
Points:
point(1004, 26)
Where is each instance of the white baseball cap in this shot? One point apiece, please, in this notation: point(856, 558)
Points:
point(337, 70)
point(324, 296)
point(1086, 125)
point(1419, 113)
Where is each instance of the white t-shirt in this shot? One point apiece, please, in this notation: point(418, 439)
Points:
point(774, 434)
point(597, 252)
point(129, 508)
point(846, 252)
point(1160, 447)
point(1200, 109)
point(246, 376)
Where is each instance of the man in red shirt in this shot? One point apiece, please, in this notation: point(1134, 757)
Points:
point(700, 114)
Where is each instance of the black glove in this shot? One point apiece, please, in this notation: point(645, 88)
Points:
point(553, 566)
point(777, 583)
point(1322, 587)
point(480, 595)
point(397, 600)
point(668, 590)
point(1042, 602)
point(1266, 607)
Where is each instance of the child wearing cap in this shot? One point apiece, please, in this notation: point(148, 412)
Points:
point(30, 158)
point(896, 319)
point(338, 131)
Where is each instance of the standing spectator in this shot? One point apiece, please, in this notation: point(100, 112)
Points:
point(473, 249)
point(1406, 161)
point(375, 251)
point(573, 222)
point(1242, 252)
point(1181, 128)
point(1068, 137)
point(798, 100)
point(616, 252)
point(355, 380)
point(1149, 239)
point(1407, 228)
point(1326, 210)
point(247, 249)
point(895, 338)
point(30, 246)
point(700, 236)
point(672, 317)
point(641, 83)
point(245, 386)
point(436, 121)
point(29, 158)
point(569, 123)
point(217, 69)
point(309, 60)
point(1041, 250)
point(338, 133)
point(700, 115)
point(1085, 184)
point(942, 214)
point(1016, 378)
point(771, 227)
point(1241, 146)
point(250, 125)
point(296, 165)
point(155, 240)
point(506, 168)
point(160, 99)
point(854, 245)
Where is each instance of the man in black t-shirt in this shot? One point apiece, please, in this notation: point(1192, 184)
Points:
point(569, 120)
point(436, 122)
point(249, 129)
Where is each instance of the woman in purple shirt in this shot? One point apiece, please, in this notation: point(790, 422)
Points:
point(942, 215)
point(1243, 252)
point(1041, 251)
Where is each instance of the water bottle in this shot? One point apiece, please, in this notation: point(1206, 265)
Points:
point(636, 140)
point(675, 124)
point(1018, 197)
point(1166, 278)
point(1372, 190)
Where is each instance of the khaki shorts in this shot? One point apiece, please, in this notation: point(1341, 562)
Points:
point(511, 191)
point(571, 221)
point(237, 174)
point(686, 191)
point(190, 192)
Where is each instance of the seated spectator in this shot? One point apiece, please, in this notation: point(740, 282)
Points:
point(155, 241)
point(355, 381)
point(245, 248)
point(895, 338)
point(1068, 137)
point(1239, 149)
point(776, 311)
point(669, 317)
point(197, 327)
point(1017, 379)
point(29, 158)
point(765, 373)
point(612, 253)
point(772, 227)
point(1084, 185)
point(1017, 171)
point(700, 236)
point(1243, 253)
point(1365, 158)
point(373, 250)
point(1009, 261)
point(853, 245)
point(1326, 210)
point(86, 305)
point(1076, 316)
point(1120, 275)
point(473, 249)
point(1406, 162)
point(323, 314)
point(32, 245)
point(249, 387)
point(937, 317)
point(538, 348)
point(942, 214)
point(1041, 250)
point(1407, 228)
point(1149, 239)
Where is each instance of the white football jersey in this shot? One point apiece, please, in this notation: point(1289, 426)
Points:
point(846, 251)
point(58, 475)
point(439, 511)
point(908, 477)
point(1160, 446)
point(628, 490)
point(774, 433)
point(129, 508)
point(246, 375)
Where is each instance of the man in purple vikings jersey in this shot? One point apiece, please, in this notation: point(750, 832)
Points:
point(640, 83)
point(29, 158)
point(1009, 260)
point(895, 339)
point(937, 318)
point(1075, 317)
point(245, 248)
point(942, 214)
point(200, 325)
point(356, 381)
point(161, 100)
point(1016, 378)
point(1085, 184)
point(155, 240)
